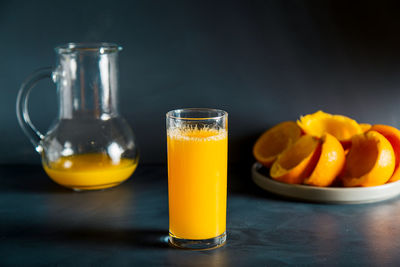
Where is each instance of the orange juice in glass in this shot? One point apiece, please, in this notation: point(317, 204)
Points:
point(197, 143)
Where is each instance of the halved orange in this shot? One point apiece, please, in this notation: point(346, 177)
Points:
point(330, 162)
point(274, 141)
point(319, 123)
point(296, 163)
point(370, 162)
point(392, 134)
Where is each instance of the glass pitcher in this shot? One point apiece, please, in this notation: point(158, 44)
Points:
point(90, 146)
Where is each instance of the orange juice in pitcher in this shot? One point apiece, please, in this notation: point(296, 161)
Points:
point(90, 171)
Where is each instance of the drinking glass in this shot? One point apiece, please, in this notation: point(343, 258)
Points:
point(197, 144)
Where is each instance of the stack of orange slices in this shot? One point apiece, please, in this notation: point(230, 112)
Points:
point(322, 149)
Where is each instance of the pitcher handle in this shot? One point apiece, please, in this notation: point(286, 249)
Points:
point(22, 106)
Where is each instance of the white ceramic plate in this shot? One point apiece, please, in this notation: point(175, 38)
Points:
point(340, 195)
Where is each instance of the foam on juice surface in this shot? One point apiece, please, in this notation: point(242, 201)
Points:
point(196, 134)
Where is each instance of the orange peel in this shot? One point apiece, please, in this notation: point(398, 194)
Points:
point(330, 163)
point(274, 141)
point(319, 123)
point(370, 162)
point(296, 163)
point(392, 134)
point(365, 127)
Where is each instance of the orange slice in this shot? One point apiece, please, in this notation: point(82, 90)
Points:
point(297, 162)
point(319, 123)
point(393, 136)
point(370, 162)
point(274, 141)
point(330, 162)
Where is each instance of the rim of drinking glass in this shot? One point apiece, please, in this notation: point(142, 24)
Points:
point(224, 113)
point(101, 48)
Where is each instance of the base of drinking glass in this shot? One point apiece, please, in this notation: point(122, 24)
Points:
point(197, 244)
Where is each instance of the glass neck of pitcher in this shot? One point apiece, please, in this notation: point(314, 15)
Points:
point(87, 79)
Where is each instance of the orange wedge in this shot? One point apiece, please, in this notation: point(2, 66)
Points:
point(319, 123)
point(370, 162)
point(274, 141)
point(393, 136)
point(330, 162)
point(297, 162)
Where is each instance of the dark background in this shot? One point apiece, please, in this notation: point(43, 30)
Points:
point(262, 61)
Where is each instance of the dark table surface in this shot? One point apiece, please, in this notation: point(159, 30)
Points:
point(42, 223)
